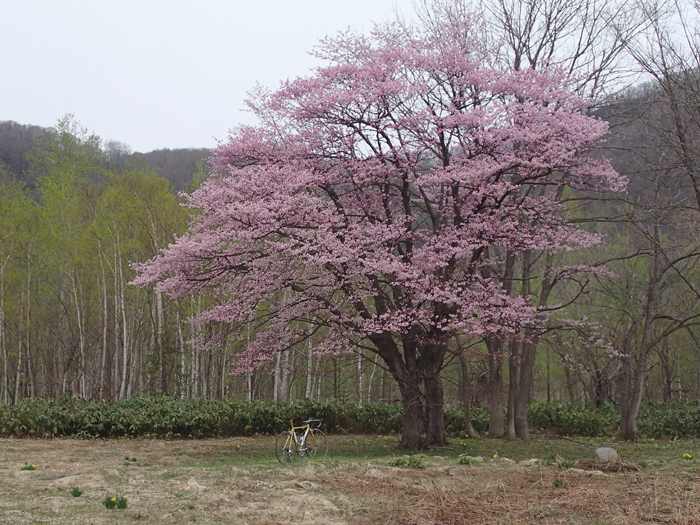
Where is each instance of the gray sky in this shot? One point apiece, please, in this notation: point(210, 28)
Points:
point(161, 73)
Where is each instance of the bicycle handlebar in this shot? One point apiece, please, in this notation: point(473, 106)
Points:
point(309, 421)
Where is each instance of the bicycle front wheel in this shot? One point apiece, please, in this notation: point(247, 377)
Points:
point(316, 444)
point(285, 447)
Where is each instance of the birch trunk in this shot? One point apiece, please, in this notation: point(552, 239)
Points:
point(309, 364)
point(276, 379)
point(77, 298)
point(159, 342)
point(18, 377)
point(105, 321)
point(181, 353)
point(369, 382)
point(284, 375)
point(125, 388)
point(249, 375)
point(360, 382)
point(5, 395)
point(115, 391)
point(30, 368)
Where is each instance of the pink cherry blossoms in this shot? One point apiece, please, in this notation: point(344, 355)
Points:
point(376, 193)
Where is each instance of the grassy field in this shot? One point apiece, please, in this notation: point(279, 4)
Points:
point(363, 480)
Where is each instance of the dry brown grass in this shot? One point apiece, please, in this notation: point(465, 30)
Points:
point(609, 466)
point(497, 495)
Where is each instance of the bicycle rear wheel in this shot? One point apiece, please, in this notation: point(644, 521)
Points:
point(316, 444)
point(286, 447)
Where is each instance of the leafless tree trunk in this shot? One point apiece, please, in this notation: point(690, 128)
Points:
point(120, 297)
point(309, 362)
point(5, 392)
point(182, 355)
point(105, 321)
point(360, 379)
point(465, 393)
point(19, 376)
point(495, 357)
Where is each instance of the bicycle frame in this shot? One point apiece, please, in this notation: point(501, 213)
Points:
point(301, 440)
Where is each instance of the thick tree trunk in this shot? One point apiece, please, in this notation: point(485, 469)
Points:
point(412, 415)
point(631, 397)
point(416, 369)
point(434, 404)
point(403, 366)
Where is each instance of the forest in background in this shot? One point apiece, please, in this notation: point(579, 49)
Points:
point(17, 141)
point(76, 212)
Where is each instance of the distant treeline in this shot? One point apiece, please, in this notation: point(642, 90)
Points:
point(18, 140)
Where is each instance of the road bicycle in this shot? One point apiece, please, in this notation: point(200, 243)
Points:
point(303, 441)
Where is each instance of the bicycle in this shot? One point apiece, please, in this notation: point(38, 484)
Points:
point(303, 441)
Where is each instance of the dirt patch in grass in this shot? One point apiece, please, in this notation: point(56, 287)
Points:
point(240, 481)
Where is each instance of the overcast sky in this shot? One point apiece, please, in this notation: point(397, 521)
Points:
point(161, 73)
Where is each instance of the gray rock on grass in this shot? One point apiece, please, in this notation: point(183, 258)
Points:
point(606, 455)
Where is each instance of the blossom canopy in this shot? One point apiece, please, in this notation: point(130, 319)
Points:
point(377, 195)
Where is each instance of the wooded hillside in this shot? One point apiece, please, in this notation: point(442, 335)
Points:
point(18, 140)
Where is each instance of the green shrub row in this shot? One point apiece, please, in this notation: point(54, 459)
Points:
point(577, 419)
point(677, 419)
point(564, 419)
point(194, 418)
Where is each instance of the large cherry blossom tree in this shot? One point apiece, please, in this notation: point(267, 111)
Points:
point(374, 196)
